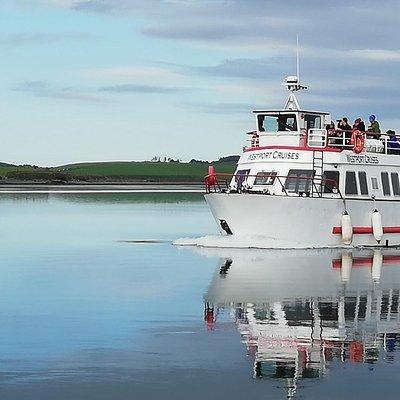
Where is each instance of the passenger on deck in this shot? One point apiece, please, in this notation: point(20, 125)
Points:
point(393, 145)
point(334, 136)
point(359, 125)
point(343, 138)
point(330, 129)
point(344, 124)
point(374, 127)
point(330, 126)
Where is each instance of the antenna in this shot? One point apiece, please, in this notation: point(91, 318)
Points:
point(297, 58)
point(292, 83)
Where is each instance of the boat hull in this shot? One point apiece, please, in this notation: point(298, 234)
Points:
point(299, 222)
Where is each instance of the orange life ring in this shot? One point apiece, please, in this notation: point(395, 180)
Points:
point(358, 141)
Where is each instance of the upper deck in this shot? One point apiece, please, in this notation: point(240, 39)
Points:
point(305, 129)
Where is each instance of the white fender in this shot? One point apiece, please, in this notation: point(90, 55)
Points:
point(347, 265)
point(377, 262)
point(347, 229)
point(377, 229)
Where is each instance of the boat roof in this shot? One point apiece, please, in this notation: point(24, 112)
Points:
point(290, 112)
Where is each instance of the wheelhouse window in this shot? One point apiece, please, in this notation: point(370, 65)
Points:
point(351, 183)
point(313, 121)
point(299, 180)
point(330, 181)
point(385, 183)
point(277, 123)
point(362, 178)
point(395, 183)
point(264, 178)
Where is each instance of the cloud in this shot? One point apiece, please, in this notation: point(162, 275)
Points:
point(137, 74)
point(221, 108)
point(250, 68)
point(210, 31)
point(93, 95)
point(145, 80)
point(352, 61)
point(257, 24)
point(44, 89)
point(21, 39)
point(377, 54)
point(134, 88)
point(94, 6)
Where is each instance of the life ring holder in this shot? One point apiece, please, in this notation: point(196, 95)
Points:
point(358, 141)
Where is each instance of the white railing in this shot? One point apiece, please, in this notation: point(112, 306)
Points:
point(317, 138)
point(374, 142)
point(320, 138)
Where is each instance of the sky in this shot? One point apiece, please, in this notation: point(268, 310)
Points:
point(101, 80)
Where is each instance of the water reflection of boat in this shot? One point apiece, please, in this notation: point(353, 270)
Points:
point(298, 312)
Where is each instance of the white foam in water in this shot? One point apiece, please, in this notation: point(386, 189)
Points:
point(241, 242)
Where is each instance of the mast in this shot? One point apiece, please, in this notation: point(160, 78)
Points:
point(292, 83)
point(297, 58)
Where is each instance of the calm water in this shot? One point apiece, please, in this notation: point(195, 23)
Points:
point(88, 313)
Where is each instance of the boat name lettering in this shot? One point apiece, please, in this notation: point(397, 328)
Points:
point(361, 159)
point(268, 155)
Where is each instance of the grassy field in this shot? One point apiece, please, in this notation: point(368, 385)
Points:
point(114, 172)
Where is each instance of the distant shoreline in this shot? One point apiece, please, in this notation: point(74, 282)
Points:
point(113, 173)
point(86, 188)
point(5, 184)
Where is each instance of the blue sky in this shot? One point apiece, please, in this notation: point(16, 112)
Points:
point(87, 80)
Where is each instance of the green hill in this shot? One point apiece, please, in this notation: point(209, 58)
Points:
point(123, 172)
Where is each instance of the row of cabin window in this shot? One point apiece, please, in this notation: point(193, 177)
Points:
point(298, 180)
point(301, 181)
point(286, 122)
point(387, 188)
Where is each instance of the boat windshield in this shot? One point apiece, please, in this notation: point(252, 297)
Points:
point(277, 123)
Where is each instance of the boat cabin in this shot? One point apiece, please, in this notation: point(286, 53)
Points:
point(291, 127)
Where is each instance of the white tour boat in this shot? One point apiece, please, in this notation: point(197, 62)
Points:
point(301, 185)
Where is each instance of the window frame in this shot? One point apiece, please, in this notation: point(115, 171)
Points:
point(374, 183)
point(361, 182)
point(240, 176)
point(315, 116)
point(395, 188)
point(262, 126)
point(347, 182)
point(272, 176)
point(308, 179)
point(385, 183)
point(328, 186)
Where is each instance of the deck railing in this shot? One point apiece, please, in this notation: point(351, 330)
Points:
point(374, 142)
point(341, 140)
point(314, 186)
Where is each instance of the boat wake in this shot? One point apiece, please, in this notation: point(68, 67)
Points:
point(241, 242)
